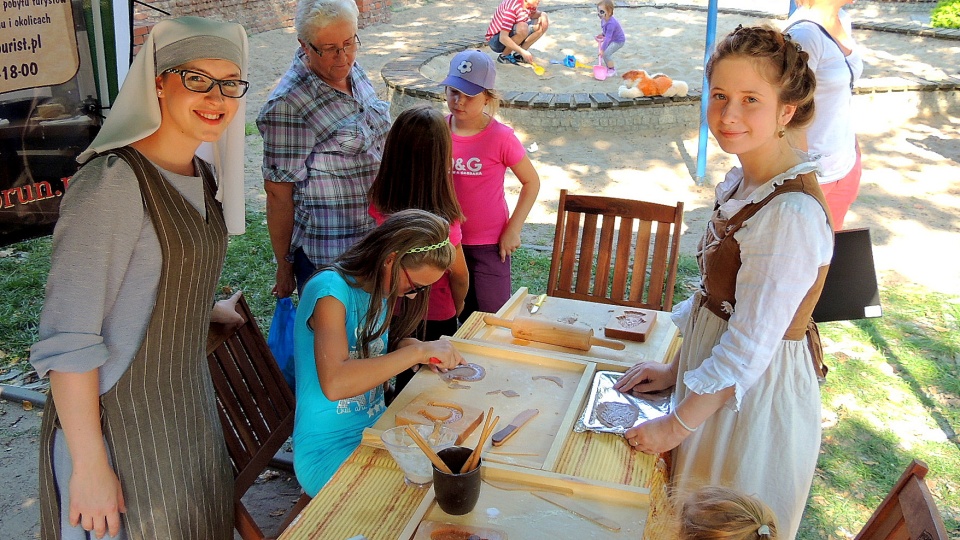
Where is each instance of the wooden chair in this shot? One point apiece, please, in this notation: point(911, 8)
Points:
point(620, 268)
point(255, 405)
point(908, 512)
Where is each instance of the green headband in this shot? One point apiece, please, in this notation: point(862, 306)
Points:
point(438, 245)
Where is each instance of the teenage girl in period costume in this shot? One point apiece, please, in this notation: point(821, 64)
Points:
point(747, 401)
point(131, 445)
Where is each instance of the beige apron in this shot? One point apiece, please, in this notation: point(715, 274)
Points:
point(769, 447)
point(160, 419)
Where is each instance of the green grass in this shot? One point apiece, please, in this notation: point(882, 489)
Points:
point(250, 268)
point(23, 275)
point(946, 14)
point(893, 392)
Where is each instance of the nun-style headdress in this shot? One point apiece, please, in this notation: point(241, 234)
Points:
point(136, 111)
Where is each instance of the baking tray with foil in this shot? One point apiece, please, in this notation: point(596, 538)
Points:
point(649, 407)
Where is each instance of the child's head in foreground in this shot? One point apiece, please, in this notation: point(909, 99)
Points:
point(715, 513)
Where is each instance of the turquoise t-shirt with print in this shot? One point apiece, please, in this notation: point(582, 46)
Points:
point(326, 432)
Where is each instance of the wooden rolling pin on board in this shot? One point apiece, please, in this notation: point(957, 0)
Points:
point(574, 336)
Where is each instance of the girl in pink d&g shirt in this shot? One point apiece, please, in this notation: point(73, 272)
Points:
point(483, 149)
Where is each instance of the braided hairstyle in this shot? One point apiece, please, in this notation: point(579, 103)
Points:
point(719, 513)
point(779, 60)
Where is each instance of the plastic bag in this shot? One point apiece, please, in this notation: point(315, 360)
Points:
point(280, 339)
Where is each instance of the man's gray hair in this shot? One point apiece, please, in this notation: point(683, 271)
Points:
point(313, 15)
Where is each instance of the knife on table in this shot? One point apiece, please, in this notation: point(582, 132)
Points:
point(501, 436)
point(535, 307)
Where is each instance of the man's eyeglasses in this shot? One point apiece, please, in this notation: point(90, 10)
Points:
point(335, 51)
point(200, 83)
point(601, 12)
point(417, 289)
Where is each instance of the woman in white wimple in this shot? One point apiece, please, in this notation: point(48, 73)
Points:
point(131, 445)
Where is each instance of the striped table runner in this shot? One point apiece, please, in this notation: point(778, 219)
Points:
point(368, 488)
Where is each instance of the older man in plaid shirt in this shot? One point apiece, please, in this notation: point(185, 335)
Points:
point(323, 132)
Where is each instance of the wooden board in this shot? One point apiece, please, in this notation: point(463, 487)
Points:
point(520, 372)
point(509, 503)
point(463, 418)
point(657, 346)
point(632, 324)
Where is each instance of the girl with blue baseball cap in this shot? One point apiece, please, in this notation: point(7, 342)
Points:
point(483, 150)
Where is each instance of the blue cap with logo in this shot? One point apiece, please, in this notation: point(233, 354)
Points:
point(471, 72)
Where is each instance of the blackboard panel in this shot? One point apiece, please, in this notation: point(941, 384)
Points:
point(850, 291)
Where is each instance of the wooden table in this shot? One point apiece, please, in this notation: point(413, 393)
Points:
point(596, 471)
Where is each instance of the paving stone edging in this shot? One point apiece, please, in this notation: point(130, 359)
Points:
point(408, 86)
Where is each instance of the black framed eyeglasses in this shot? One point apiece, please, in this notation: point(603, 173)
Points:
point(417, 289)
point(601, 12)
point(336, 51)
point(200, 83)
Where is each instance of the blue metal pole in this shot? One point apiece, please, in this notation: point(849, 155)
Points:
point(704, 98)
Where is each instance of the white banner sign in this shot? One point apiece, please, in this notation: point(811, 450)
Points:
point(38, 46)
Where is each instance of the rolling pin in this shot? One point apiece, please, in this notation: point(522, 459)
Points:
point(578, 337)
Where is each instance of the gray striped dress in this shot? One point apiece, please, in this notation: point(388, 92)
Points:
point(160, 419)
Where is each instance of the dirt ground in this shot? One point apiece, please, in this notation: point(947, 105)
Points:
point(910, 196)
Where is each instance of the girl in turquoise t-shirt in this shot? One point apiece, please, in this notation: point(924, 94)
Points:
point(340, 337)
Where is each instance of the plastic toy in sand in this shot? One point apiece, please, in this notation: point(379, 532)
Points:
point(600, 70)
point(571, 62)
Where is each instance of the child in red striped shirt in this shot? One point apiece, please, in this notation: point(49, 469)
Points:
point(516, 25)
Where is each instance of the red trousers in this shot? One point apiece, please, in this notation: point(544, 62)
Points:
point(841, 194)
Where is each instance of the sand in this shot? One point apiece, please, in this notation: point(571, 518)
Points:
point(671, 41)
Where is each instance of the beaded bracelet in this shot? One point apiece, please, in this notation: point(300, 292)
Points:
point(682, 423)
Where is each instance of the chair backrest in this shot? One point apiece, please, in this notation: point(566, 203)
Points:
point(909, 511)
point(255, 404)
point(618, 267)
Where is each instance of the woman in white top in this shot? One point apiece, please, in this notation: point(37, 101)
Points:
point(823, 30)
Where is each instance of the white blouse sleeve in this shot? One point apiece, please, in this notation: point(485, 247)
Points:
point(781, 249)
point(682, 312)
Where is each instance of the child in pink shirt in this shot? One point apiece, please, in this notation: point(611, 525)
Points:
point(414, 173)
point(483, 149)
